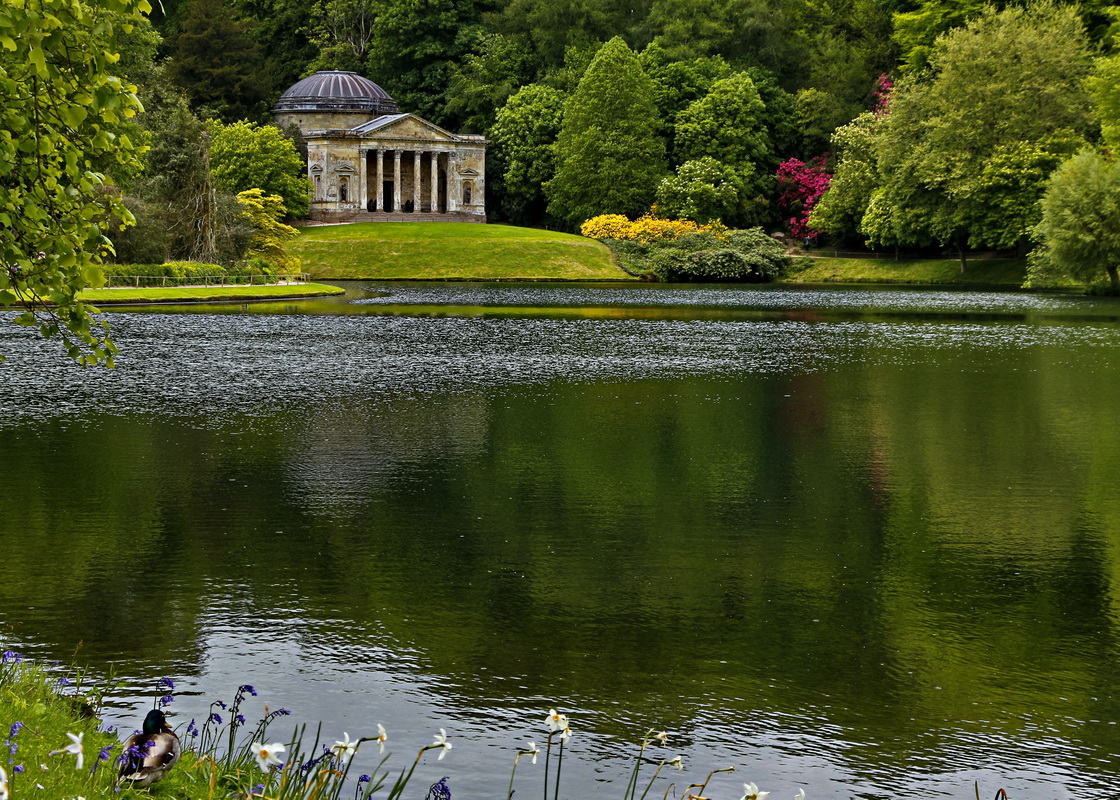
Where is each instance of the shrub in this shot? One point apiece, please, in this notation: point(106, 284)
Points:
point(606, 226)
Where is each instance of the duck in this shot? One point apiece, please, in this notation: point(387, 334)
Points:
point(149, 755)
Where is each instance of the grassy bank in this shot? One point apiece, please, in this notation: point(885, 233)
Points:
point(981, 272)
point(451, 251)
point(205, 294)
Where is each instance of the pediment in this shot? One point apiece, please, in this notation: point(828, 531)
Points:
point(404, 126)
point(345, 167)
point(315, 168)
point(469, 173)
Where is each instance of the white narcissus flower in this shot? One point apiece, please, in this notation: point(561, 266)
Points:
point(345, 748)
point(675, 763)
point(267, 754)
point(382, 737)
point(441, 741)
point(74, 748)
point(555, 720)
point(3, 784)
point(532, 750)
point(662, 737)
point(751, 792)
point(800, 795)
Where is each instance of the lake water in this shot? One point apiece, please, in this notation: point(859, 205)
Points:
point(860, 541)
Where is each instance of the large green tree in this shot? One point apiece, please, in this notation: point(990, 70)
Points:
point(61, 107)
point(218, 66)
point(246, 156)
point(523, 146)
point(1080, 227)
point(609, 158)
point(964, 154)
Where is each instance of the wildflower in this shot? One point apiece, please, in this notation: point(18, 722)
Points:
point(165, 682)
point(800, 794)
point(247, 688)
point(166, 700)
point(215, 718)
point(439, 790)
point(74, 748)
point(345, 748)
point(104, 754)
point(192, 729)
point(381, 738)
point(17, 769)
point(663, 737)
point(3, 784)
point(267, 754)
point(532, 750)
point(555, 720)
point(675, 763)
point(751, 792)
point(15, 728)
point(365, 779)
point(240, 719)
point(63, 681)
point(565, 734)
point(441, 741)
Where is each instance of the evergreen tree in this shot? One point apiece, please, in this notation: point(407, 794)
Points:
point(609, 157)
point(218, 66)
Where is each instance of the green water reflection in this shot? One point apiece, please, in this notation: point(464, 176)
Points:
point(916, 559)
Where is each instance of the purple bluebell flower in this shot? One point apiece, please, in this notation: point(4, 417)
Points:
point(13, 748)
point(247, 688)
point(240, 719)
point(365, 779)
point(219, 704)
point(165, 682)
point(104, 756)
point(15, 728)
point(18, 768)
point(215, 718)
point(63, 681)
point(439, 790)
point(166, 700)
point(8, 656)
point(111, 729)
point(192, 729)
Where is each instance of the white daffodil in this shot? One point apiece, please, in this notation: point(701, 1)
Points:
point(74, 748)
point(663, 737)
point(382, 737)
point(441, 741)
point(267, 754)
point(675, 763)
point(751, 792)
point(565, 734)
point(531, 750)
point(345, 748)
point(555, 720)
point(4, 794)
point(800, 795)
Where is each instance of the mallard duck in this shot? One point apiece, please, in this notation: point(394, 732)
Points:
point(149, 755)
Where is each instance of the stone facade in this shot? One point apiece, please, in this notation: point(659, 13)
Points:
point(398, 164)
point(365, 165)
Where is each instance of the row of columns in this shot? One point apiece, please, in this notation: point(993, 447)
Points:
point(417, 183)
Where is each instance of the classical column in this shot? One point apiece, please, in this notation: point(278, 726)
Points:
point(416, 184)
point(379, 189)
point(396, 181)
point(360, 197)
point(435, 181)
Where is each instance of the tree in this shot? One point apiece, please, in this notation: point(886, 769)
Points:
point(342, 31)
point(523, 142)
point(800, 187)
point(1080, 225)
point(217, 65)
point(1005, 94)
point(415, 47)
point(608, 156)
point(481, 85)
point(265, 212)
point(248, 156)
point(726, 124)
point(1104, 89)
point(60, 103)
point(840, 211)
point(702, 191)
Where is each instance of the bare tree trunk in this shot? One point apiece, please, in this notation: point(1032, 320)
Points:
point(961, 251)
point(1114, 279)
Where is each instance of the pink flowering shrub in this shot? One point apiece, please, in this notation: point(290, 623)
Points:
point(882, 95)
point(800, 187)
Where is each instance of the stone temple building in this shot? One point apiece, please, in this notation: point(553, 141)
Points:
point(367, 160)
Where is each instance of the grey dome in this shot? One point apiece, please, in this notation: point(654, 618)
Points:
point(335, 90)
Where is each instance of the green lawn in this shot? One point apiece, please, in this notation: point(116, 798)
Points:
point(192, 294)
point(451, 251)
point(994, 271)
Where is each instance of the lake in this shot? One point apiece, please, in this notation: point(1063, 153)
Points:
point(862, 541)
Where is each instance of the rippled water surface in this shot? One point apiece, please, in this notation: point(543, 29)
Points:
point(862, 541)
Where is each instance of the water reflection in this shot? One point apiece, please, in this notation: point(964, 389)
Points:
point(878, 556)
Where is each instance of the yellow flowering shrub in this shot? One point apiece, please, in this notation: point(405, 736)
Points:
point(607, 226)
point(651, 229)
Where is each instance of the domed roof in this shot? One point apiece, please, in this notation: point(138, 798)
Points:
point(335, 90)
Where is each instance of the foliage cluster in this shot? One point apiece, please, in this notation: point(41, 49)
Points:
point(646, 228)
